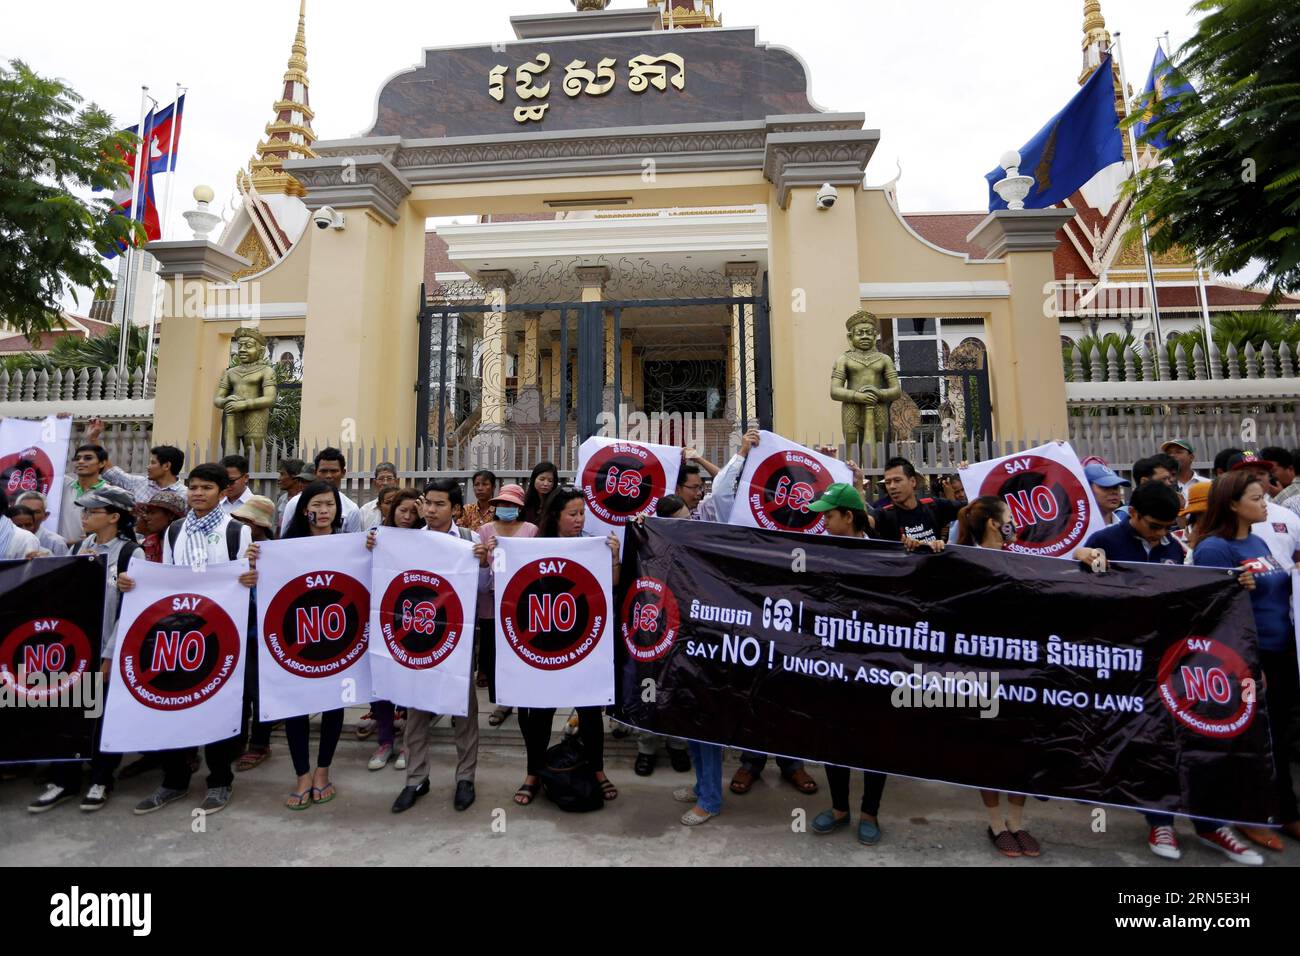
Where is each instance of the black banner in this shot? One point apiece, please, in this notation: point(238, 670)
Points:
point(1134, 688)
point(51, 615)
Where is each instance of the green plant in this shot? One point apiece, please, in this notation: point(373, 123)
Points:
point(51, 149)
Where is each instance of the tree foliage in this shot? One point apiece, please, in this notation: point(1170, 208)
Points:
point(51, 149)
point(1229, 181)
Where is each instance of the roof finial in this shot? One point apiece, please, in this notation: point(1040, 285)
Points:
point(1096, 38)
point(298, 55)
point(289, 135)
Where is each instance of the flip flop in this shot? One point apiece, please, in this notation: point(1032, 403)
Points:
point(498, 716)
point(529, 791)
point(743, 781)
point(321, 790)
point(608, 790)
point(304, 799)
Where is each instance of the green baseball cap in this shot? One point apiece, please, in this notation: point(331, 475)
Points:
point(839, 495)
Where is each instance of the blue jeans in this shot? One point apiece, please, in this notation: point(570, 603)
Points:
point(708, 775)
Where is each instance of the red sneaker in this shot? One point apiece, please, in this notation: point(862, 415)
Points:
point(1163, 842)
point(1226, 841)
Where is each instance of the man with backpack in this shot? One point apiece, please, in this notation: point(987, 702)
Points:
point(207, 535)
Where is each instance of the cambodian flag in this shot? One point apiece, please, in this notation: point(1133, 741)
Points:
point(138, 202)
point(163, 142)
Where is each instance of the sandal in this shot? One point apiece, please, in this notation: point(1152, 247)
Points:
point(608, 790)
point(1006, 843)
point(303, 800)
point(1028, 845)
point(528, 792)
point(318, 793)
point(1268, 839)
point(498, 716)
point(743, 781)
point(802, 781)
point(481, 680)
point(253, 757)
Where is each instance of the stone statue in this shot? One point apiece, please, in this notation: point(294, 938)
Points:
point(865, 382)
point(245, 394)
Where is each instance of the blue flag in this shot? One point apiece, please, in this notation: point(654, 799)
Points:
point(1075, 144)
point(1162, 82)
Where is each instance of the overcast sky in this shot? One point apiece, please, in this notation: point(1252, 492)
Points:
point(950, 84)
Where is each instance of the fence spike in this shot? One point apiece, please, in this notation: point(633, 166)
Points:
point(1251, 371)
point(1234, 368)
point(1266, 367)
point(1180, 358)
point(1284, 357)
point(42, 385)
point(1198, 357)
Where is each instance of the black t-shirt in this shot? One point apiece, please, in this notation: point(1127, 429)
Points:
point(924, 522)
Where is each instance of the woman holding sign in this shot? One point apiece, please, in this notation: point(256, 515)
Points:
point(986, 523)
point(564, 517)
point(318, 511)
point(1238, 501)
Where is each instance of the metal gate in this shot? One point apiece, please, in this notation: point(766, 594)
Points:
point(445, 378)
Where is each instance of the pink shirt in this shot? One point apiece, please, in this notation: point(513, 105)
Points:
point(487, 534)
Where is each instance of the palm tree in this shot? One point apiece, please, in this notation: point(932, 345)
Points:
point(78, 352)
point(1237, 330)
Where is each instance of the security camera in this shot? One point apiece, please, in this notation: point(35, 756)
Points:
point(826, 196)
point(326, 217)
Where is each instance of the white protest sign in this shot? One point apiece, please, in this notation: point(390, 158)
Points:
point(779, 481)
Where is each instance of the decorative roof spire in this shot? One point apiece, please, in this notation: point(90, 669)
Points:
point(289, 135)
point(1096, 38)
point(686, 14)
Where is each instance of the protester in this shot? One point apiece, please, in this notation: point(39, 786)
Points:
point(717, 504)
point(1286, 485)
point(1143, 534)
point(1286, 474)
point(385, 477)
point(1223, 460)
point(1189, 518)
point(479, 512)
point(439, 496)
point(106, 518)
point(986, 523)
point(1280, 527)
point(162, 474)
point(205, 536)
point(258, 514)
point(846, 516)
point(564, 517)
point(541, 485)
point(23, 518)
point(34, 502)
point(88, 462)
point(315, 512)
point(907, 515)
point(156, 515)
point(291, 482)
point(1238, 505)
point(1184, 455)
point(331, 466)
point(15, 543)
point(507, 508)
point(1106, 485)
point(375, 513)
point(236, 492)
point(403, 511)
point(647, 744)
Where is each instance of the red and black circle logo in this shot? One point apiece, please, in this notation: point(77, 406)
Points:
point(622, 481)
point(56, 649)
point(1207, 687)
point(421, 619)
point(553, 613)
point(1049, 506)
point(650, 620)
point(318, 623)
point(783, 486)
point(180, 651)
point(26, 470)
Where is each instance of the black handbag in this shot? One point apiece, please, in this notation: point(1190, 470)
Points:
point(568, 779)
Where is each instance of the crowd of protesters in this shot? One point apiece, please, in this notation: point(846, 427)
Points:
point(1246, 515)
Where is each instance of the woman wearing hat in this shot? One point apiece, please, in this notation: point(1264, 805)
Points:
point(508, 522)
point(1189, 518)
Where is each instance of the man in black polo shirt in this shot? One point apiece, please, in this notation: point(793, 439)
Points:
point(1144, 536)
point(906, 515)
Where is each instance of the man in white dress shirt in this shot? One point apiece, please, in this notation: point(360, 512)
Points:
point(331, 466)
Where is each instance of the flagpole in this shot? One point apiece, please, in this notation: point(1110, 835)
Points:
point(1205, 314)
point(167, 205)
point(124, 337)
point(1146, 248)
